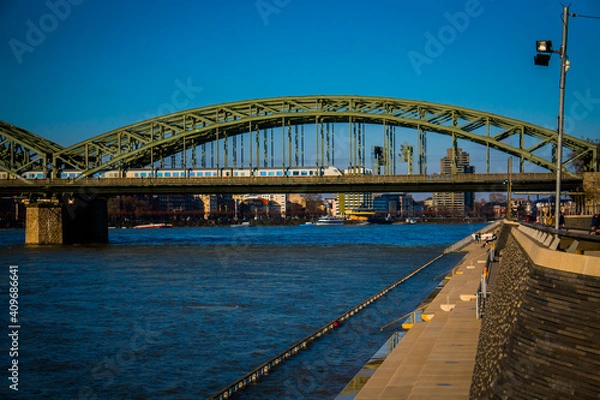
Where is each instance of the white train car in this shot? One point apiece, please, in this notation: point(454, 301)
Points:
point(65, 174)
point(226, 172)
point(193, 173)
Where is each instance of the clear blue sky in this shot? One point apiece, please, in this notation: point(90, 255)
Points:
point(99, 65)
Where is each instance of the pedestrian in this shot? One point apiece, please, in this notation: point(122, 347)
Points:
point(561, 220)
point(595, 224)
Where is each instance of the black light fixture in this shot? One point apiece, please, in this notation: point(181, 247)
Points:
point(541, 59)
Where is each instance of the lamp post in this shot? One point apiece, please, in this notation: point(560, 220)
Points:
point(544, 47)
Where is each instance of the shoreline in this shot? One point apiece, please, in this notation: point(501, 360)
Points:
point(369, 370)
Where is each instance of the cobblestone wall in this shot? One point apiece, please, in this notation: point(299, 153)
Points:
point(500, 314)
point(540, 336)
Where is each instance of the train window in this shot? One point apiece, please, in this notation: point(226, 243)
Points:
point(136, 175)
point(167, 174)
point(295, 173)
point(279, 173)
point(271, 173)
point(159, 174)
point(304, 173)
point(143, 174)
point(263, 173)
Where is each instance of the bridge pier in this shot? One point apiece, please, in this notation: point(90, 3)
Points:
point(70, 220)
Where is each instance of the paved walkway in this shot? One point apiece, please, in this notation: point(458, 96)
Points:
point(435, 359)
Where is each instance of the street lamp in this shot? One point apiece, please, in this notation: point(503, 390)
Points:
point(544, 49)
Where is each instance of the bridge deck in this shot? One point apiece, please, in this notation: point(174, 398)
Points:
point(532, 182)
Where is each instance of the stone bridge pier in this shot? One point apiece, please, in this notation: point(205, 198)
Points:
point(67, 220)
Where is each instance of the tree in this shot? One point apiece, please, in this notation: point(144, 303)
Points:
point(498, 198)
point(582, 164)
point(314, 204)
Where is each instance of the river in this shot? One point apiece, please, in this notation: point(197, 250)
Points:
point(179, 313)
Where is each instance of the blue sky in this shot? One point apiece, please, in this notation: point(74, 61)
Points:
point(99, 65)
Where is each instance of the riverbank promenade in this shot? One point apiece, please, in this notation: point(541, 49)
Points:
point(435, 359)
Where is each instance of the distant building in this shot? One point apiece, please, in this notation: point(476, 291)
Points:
point(428, 203)
point(178, 202)
point(273, 205)
point(454, 202)
point(218, 205)
point(354, 201)
point(394, 204)
point(331, 205)
point(297, 199)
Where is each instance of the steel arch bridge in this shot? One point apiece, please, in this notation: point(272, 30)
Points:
point(181, 135)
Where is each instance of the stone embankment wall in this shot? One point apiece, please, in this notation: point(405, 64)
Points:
point(540, 335)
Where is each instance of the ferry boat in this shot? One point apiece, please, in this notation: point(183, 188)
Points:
point(245, 224)
point(153, 226)
point(328, 220)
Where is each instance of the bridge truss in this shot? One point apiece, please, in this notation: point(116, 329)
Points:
point(22, 151)
point(241, 134)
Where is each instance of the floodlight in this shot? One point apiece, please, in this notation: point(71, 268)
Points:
point(543, 46)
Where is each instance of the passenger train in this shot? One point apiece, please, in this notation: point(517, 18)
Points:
point(200, 173)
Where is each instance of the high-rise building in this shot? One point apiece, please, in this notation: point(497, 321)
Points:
point(455, 202)
point(354, 201)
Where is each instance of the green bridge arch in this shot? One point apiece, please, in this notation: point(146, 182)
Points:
point(143, 143)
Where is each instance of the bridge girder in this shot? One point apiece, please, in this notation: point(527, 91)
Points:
point(21, 150)
point(140, 144)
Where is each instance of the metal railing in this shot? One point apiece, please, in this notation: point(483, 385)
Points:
point(264, 369)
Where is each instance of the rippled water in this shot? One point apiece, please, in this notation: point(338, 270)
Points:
point(180, 313)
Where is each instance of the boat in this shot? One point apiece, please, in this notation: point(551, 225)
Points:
point(329, 220)
point(245, 224)
point(153, 226)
